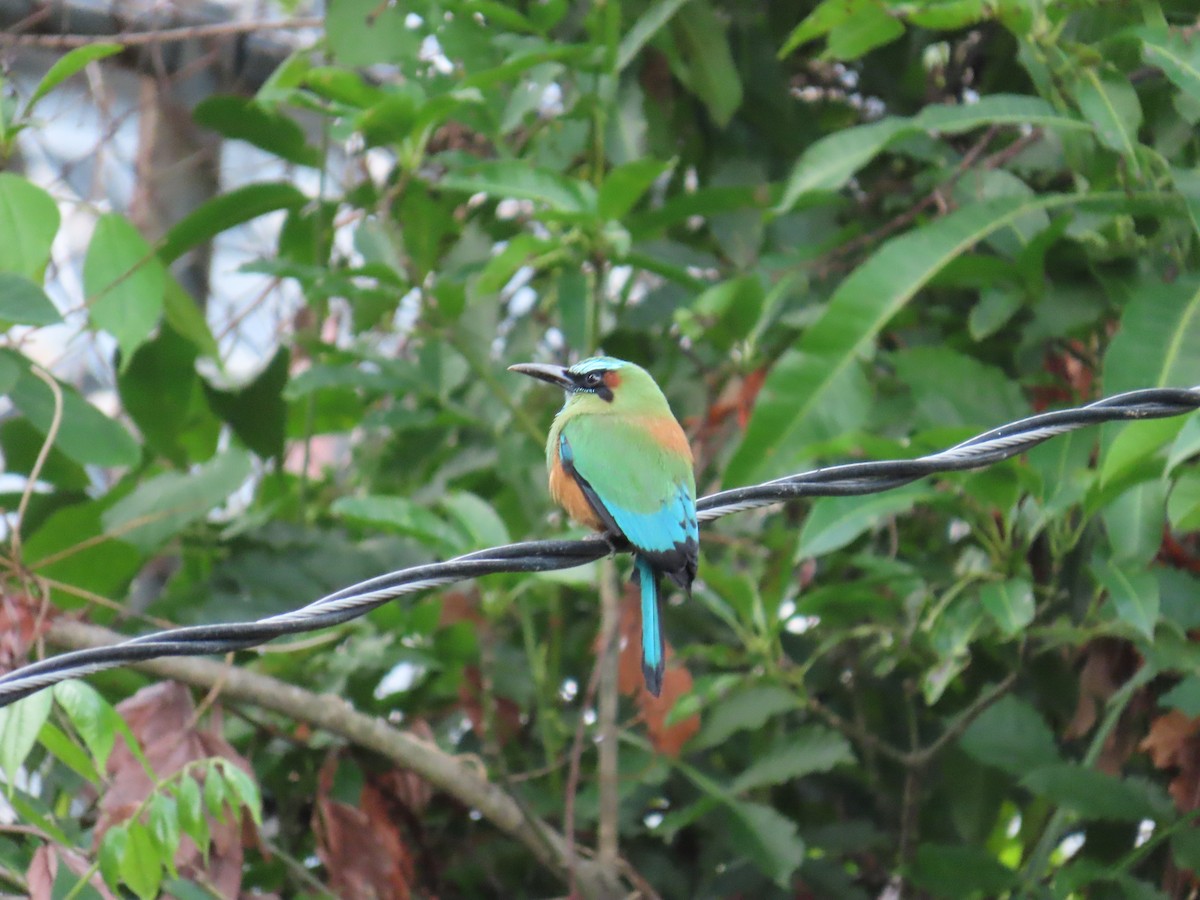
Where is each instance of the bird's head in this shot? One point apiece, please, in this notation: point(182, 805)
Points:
point(601, 384)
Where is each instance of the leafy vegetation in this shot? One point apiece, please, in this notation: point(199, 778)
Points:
point(854, 229)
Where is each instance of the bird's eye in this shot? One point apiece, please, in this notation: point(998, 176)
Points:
point(594, 379)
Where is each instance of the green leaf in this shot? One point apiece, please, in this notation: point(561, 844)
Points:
point(161, 507)
point(1158, 345)
point(648, 24)
point(85, 434)
point(1184, 697)
point(160, 390)
point(801, 383)
point(69, 535)
point(69, 753)
point(828, 164)
point(960, 871)
point(1096, 795)
point(1133, 593)
point(806, 750)
point(164, 826)
point(24, 303)
point(1178, 57)
point(767, 838)
point(191, 812)
point(1010, 603)
point(1134, 522)
point(1183, 504)
point(125, 283)
point(112, 850)
point(28, 220)
point(1012, 736)
point(362, 33)
point(950, 388)
point(20, 723)
point(67, 65)
point(625, 185)
point(869, 25)
point(215, 795)
point(240, 785)
point(477, 519)
point(141, 866)
point(243, 119)
point(401, 515)
point(91, 715)
point(835, 522)
point(522, 181)
point(226, 211)
point(745, 709)
point(257, 412)
point(1111, 104)
point(708, 69)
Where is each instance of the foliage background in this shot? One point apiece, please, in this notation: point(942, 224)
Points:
point(852, 229)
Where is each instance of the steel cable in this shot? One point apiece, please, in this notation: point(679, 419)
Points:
point(540, 556)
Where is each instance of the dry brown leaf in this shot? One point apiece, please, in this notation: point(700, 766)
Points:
point(677, 682)
point(20, 626)
point(1173, 742)
point(365, 855)
point(162, 718)
point(1108, 664)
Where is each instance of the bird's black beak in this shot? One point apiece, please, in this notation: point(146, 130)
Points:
point(556, 375)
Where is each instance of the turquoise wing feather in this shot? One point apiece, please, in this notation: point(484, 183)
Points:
point(635, 484)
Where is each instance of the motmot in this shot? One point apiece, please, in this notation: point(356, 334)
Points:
point(620, 463)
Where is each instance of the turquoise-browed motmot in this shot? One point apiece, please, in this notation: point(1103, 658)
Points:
point(620, 463)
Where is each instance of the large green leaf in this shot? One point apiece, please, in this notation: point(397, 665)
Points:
point(1158, 345)
point(768, 838)
point(1009, 603)
point(19, 727)
point(224, 212)
point(834, 522)
point(1011, 735)
point(85, 434)
point(257, 411)
point(1133, 592)
point(829, 163)
point(243, 119)
point(67, 65)
point(24, 303)
point(649, 23)
point(801, 384)
point(28, 220)
point(125, 283)
point(160, 507)
point(521, 181)
point(1178, 58)
point(1111, 104)
point(806, 750)
point(1096, 795)
point(707, 66)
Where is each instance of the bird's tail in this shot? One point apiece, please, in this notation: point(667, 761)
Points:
point(652, 638)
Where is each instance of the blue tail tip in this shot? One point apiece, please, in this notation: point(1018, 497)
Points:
point(653, 676)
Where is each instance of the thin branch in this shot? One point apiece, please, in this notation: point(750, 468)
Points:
point(159, 36)
point(43, 453)
point(609, 789)
point(331, 713)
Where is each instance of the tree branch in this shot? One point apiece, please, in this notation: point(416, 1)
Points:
point(443, 770)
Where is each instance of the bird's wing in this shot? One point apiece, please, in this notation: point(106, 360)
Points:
point(638, 487)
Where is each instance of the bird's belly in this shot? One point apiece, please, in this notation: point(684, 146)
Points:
point(567, 493)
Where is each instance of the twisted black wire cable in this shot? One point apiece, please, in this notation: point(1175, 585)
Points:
point(540, 556)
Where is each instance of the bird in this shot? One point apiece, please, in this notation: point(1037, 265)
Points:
point(620, 463)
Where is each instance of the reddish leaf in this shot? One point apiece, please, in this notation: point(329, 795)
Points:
point(1174, 743)
point(162, 718)
point(1108, 664)
point(43, 869)
point(677, 681)
point(20, 626)
point(362, 848)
